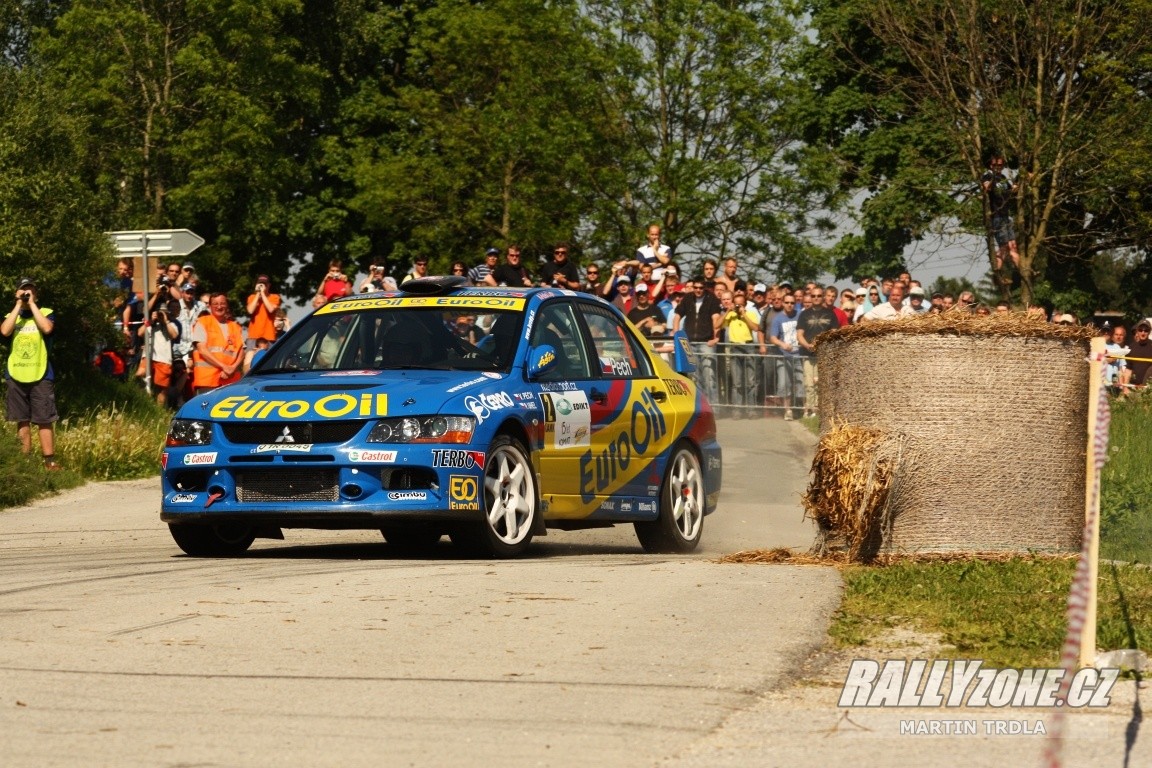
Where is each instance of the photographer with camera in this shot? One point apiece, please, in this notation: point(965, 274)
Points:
point(161, 334)
point(262, 306)
point(375, 280)
point(335, 284)
point(31, 389)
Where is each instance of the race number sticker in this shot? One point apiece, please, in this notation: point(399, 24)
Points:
point(567, 419)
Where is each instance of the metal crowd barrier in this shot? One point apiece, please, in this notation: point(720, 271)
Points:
point(747, 383)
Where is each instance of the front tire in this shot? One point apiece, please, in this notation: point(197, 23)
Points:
point(680, 523)
point(511, 503)
point(223, 540)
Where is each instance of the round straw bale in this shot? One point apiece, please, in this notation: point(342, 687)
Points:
point(984, 419)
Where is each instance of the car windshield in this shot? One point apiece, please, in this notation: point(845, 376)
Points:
point(395, 339)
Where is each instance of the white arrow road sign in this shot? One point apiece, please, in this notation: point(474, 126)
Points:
point(169, 242)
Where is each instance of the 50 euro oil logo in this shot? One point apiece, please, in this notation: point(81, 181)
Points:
point(463, 492)
point(643, 438)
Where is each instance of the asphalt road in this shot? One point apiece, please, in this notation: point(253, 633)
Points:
point(330, 649)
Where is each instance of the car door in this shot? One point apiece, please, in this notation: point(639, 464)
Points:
point(628, 402)
point(565, 401)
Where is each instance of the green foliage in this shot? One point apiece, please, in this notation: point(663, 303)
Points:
point(914, 95)
point(23, 478)
point(707, 104)
point(106, 443)
point(1126, 483)
point(198, 115)
point(109, 430)
point(1008, 613)
point(491, 127)
point(49, 232)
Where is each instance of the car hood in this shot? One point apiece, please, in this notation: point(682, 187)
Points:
point(344, 395)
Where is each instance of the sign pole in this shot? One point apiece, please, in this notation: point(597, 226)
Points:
point(171, 242)
point(147, 351)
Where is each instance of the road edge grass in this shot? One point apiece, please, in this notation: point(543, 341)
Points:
point(1010, 613)
point(108, 430)
point(1013, 612)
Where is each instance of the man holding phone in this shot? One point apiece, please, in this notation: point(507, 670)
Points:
point(31, 391)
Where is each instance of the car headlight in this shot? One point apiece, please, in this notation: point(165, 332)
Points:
point(423, 429)
point(189, 432)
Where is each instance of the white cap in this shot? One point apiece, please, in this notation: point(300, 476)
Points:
point(759, 288)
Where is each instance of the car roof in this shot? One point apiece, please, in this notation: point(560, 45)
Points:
point(456, 285)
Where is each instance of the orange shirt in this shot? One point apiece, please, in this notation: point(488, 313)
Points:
point(261, 324)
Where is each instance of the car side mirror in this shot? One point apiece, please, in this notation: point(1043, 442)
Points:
point(541, 360)
point(683, 358)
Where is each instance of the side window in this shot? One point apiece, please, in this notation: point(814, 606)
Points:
point(619, 353)
point(556, 325)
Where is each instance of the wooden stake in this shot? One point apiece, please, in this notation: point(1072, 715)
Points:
point(1092, 503)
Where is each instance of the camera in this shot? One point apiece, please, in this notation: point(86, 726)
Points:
point(25, 295)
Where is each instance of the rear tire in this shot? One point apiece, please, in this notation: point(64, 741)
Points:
point(680, 523)
point(222, 540)
point(511, 504)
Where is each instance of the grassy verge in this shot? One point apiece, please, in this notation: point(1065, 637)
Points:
point(108, 430)
point(1012, 613)
point(1009, 613)
point(1126, 483)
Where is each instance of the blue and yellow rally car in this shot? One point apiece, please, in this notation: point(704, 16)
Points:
point(488, 414)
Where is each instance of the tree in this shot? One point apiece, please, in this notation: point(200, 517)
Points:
point(479, 135)
point(196, 112)
point(707, 109)
point(918, 93)
point(49, 232)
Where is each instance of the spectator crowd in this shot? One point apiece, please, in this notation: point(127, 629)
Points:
point(754, 340)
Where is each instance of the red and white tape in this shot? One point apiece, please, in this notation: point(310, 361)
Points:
point(1080, 593)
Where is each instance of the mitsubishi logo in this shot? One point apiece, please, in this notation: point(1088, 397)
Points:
point(285, 437)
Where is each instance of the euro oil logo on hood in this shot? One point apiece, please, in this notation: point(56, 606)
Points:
point(645, 433)
point(328, 407)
